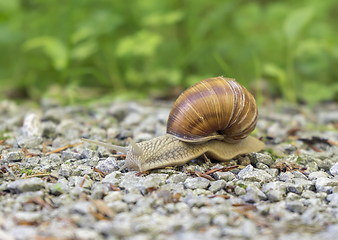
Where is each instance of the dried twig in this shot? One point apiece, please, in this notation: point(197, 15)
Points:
point(64, 147)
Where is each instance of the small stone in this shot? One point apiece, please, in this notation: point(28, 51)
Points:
point(262, 158)
point(319, 174)
point(295, 188)
point(177, 178)
point(251, 195)
point(15, 156)
point(88, 153)
point(227, 176)
point(198, 182)
point(118, 206)
point(31, 126)
point(87, 234)
point(275, 195)
point(239, 191)
point(322, 183)
point(65, 170)
point(249, 229)
point(113, 196)
point(292, 196)
point(113, 178)
point(26, 185)
point(29, 142)
point(29, 217)
point(307, 194)
point(295, 206)
point(253, 175)
point(334, 169)
point(69, 154)
point(99, 191)
point(285, 176)
point(217, 185)
point(83, 207)
point(48, 129)
point(131, 197)
point(220, 220)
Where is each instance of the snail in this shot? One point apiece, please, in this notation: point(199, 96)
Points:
point(213, 117)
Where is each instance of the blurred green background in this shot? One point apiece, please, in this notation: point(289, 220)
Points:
point(78, 50)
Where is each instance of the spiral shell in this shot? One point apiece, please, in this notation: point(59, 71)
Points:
point(215, 108)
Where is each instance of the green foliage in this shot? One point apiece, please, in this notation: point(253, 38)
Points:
point(82, 49)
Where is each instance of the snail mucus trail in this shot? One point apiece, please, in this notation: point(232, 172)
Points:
point(213, 117)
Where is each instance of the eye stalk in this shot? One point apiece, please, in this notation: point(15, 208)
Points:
point(107, 145)
point(136, 149)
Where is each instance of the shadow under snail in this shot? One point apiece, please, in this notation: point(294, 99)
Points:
point(213, 117)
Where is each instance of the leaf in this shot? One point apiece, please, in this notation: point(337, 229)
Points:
point(143, 43)
point(52, 47)
point(296, 21)
point(316, 91)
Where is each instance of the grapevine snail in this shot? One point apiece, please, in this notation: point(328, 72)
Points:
point(214, 116)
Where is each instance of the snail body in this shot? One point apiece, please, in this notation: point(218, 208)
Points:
point(213, 117)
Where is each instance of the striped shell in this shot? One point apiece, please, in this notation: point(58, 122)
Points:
point(215, 108)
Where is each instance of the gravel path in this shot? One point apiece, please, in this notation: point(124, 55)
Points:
point(54, 187)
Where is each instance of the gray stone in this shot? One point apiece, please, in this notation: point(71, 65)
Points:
point(83, 207)
point(113, 178)
point(253, 175)
point(26, 185)
point(306, 184)
point(87, 234)
point(31, 126)
point(239, 191)
point(334, 169)
point(295, 188)
point(118, 206)
point(315, 175)
point(113, 196)
point(295, 206)
point(177, 178)
point(131, 197)
point(307, 194)
point(15, 156)
point(249, 229)
point(99, 191)
point(292, 196)
point(333, 199)
point(280, 186)
point(29, 142)
point(220, 220)
point(84, 181)
point(48, 129)
point(88, 153)
point(29, 217)
point(285, 176)
point(251, 195)
point(322, 183)
point(262, 158)
point(275, 195)
point(65, 170)
point(217, 185)
point(121, 226)
point(227, 176)
point(70, 154)
point(198, 182)
point(326, 164)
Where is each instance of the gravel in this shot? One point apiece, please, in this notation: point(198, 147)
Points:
point(287, 191)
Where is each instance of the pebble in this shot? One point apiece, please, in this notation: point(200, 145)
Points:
point(26, 185)
point(253, 175)
point(198, 182)
point(165, 203)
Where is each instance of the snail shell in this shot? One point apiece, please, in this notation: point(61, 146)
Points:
point(215, 108)
point(217, 113)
